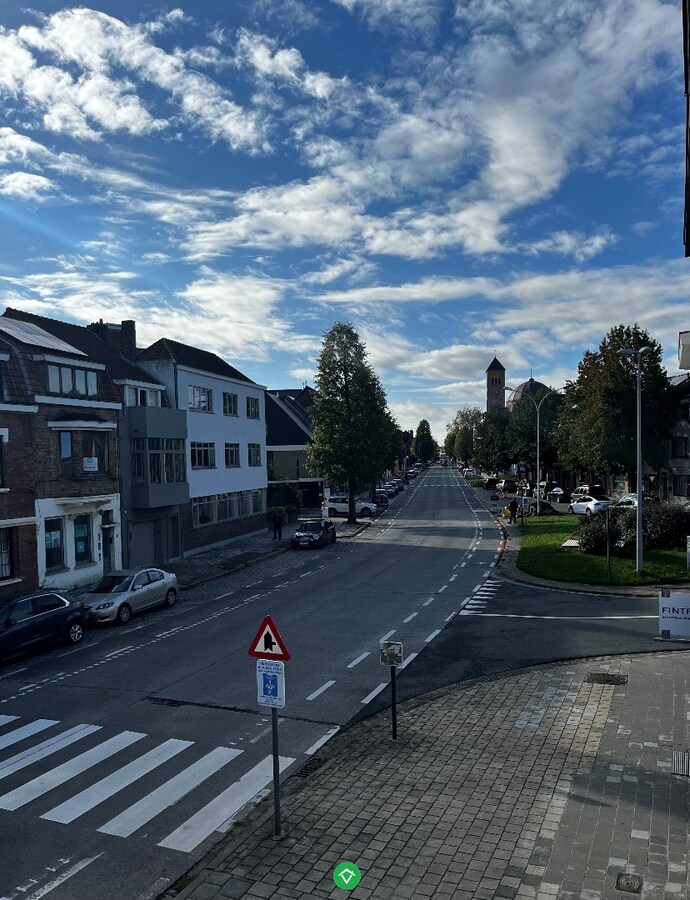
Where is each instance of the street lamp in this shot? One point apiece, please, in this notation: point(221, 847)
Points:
point(537, 406)
point(625, 352)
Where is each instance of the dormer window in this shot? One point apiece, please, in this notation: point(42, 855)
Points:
point(140, 396)
point(71, 381)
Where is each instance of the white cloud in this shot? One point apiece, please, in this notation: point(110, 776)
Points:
point(25, 186)
point(573, 243)
point(419, 16)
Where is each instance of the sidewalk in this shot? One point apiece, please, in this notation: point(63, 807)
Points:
point(542, 784)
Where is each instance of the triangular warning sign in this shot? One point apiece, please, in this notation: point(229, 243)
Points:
point(268, 644)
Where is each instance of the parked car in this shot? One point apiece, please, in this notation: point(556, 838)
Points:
point(339, 504)
point(400, 483)
point(34, 620)
point(586, 505)
point(393, 486)
point(116, 596)
point(594, 490)
point(381, 498)
point(313, 533)
point(490, 484)
point(507, 485)
point(389, 491)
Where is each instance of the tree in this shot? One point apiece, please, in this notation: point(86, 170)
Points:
point(353, 430)
point(464, 424)
point(597, 427)
point(522, 429)
point(424, 445)
point(491, 451)
point(463, 448)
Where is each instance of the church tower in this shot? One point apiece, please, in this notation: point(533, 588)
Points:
point(495, 384)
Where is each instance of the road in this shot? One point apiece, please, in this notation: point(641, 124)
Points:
point(123, 760)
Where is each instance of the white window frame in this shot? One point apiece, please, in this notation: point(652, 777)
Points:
point(254, 455)
point(253, 408)
point(230, 404)
point(200, 399)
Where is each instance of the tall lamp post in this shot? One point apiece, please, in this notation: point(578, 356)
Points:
point(537, 406)
point(639, 551)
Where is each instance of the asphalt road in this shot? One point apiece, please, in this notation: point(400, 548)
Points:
point(123, 759)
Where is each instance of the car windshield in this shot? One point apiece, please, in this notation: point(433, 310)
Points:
point(310, 526)
point(112, 584)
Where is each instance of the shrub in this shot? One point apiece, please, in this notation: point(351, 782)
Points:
point(665, 526)
point(592, 535)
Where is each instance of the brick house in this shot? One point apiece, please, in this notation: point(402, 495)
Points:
point(60, 501)
point(226, 450)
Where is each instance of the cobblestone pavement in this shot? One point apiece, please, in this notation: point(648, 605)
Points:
point(542, 784)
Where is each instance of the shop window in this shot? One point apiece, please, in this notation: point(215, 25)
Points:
point(55, 557)
point(257, 501)
point(202, 510)
point(243, 503)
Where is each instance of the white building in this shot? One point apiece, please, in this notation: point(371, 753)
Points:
point(226, 446)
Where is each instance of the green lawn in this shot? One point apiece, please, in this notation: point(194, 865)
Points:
point(541, 555)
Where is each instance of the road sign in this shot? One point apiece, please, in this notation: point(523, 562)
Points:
point(270, 683)
point(268, 644)
point(391, 653)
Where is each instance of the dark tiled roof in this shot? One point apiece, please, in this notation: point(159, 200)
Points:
point(281, 428)
point(193, 358)
point(19, 377)
point(495, 364)
point(88, 342)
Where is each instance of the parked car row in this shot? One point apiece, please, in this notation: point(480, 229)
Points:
point(35, 620)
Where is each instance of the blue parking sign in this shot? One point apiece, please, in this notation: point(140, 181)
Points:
point(270, 682)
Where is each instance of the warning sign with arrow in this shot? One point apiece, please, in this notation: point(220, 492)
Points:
point(268, 644)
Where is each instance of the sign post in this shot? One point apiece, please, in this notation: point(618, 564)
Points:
point(270, 652)
point(392, 655)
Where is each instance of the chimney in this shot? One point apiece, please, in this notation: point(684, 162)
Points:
point(128, 339)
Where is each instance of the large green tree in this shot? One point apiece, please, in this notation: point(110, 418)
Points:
point(463, 447)
point(460, 433)
point(596, 430)
point(354, 435)
point(424, 446)
point(522, 429)
point(491, 450)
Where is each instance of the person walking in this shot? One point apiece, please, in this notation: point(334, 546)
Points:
point(277, 526)
point(513, 508)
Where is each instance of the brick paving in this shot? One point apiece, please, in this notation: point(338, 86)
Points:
point(532, 785)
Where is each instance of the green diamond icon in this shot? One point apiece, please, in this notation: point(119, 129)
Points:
point(346, 875)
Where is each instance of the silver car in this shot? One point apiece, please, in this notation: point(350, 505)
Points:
point(116, 596)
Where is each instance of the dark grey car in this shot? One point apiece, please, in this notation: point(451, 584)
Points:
point(35, 620)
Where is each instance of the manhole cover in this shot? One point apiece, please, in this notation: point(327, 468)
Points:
point(606, 678)
point(631, 884)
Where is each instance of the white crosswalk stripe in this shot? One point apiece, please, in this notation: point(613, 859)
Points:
point(112, 781)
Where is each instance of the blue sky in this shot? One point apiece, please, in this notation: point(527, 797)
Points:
point(457, 178)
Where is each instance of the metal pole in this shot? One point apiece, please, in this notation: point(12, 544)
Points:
point(639, 564)
point(276, 771)
point(608, 543)
point(394, 706)
point(538, 405)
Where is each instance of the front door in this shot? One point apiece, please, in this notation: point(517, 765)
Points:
point(108, 542)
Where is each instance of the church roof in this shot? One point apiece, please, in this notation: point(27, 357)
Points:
point(495, 364)
point(530, 387)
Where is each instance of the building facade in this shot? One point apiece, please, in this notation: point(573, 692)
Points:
point(288, 433)
point(495, 386)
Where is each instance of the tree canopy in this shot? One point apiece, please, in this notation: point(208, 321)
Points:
point(424, 446)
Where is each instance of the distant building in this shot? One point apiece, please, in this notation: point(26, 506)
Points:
point(288, 433)
point(495, 386)
point(530, 388)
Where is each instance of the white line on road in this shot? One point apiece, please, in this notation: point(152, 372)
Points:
point(121, 650)
point(387, 635)
point(427, 602)
point(563, 618)
point(442, 589)
point(408, 660)
point(10, 675)
point(462, 565)
point(304, 574)
point(453, 577)
point(47, 888)
point(356, 662)
point(487, 573)
point(477, 588)
point(448, 618)
point(432, 635)
point(322, 740)
point(376, 691)
point(324, 687)
point(409, 618)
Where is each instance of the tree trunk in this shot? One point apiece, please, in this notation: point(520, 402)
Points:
point(352, 515)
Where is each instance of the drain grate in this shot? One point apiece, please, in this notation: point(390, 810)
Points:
point(606, 678)
point(681, 763)
point(310, 766)
point(631, 884)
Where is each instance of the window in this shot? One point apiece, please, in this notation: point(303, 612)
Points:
point(2, 468)
point(252, 407)
point(200, 399)
point(22, 610)
point(136, 396)
point(257, 501)
point(94, 451)
point(203, 455)
point(48, 603)
point(202, 510)
point(254, 454)
point(243, 503)
point(232, 455)
point(66, 459)
point(158, 461)
point(225, 507)
point(54, 553)
point(6, 559)
point(82, 538)
point(229, 404)
point(71, 381)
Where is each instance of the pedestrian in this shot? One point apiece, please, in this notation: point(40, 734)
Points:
point(513, 508)
point(277, 526)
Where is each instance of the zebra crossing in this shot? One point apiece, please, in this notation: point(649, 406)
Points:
point(161, 773)
point(481, 595)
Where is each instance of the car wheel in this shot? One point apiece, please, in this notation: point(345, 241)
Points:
point(124, 614)
point(75, 632)
point(170, 598)
point(332, 512)
point(570, 509)
point(365, 511)
point(588, 512)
